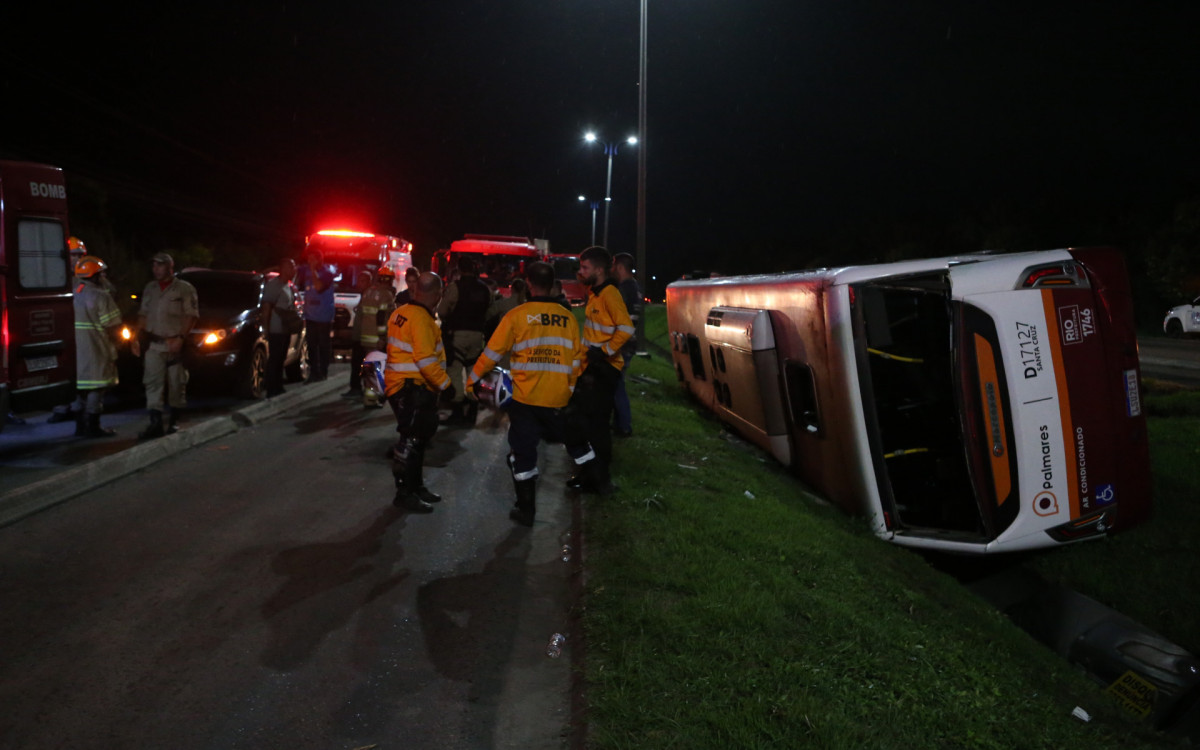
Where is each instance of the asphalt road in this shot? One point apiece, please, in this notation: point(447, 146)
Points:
point(259, 591)
point(1175, 360)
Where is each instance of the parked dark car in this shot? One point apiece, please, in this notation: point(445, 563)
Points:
point(227, 347)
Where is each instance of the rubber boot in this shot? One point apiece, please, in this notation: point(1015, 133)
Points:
point(406, 470)
point(526, 506)
point(94, 430)
point(420, 490)
point(592, 478)
point(81, 426)
point(172, 421)
point(155, 430)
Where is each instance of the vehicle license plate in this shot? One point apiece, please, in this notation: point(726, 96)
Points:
point(37, 364)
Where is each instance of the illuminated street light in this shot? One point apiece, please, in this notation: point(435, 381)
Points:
point(610, 150)
point(595, 205)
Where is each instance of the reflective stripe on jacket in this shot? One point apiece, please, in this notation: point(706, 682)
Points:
point(414, 351)
point(375, 299)
point(95, 353)
point(542, 340)
point(607, 324)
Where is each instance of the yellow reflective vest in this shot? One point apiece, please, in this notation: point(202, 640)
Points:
point(414, 350)
point(542, 341)
point(607, 324)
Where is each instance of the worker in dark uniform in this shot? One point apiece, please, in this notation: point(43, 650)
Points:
point(622, 272)
point(414, 376)
point(543, 342)
point(606, 328)
point(463, 312)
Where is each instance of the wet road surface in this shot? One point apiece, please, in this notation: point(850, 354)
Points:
point(260, 592)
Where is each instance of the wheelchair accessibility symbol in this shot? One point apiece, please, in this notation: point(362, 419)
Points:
point(1105, 494)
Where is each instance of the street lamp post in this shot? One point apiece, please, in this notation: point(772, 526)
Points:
point(610, 150)
point(640, 324)
point(595, 205)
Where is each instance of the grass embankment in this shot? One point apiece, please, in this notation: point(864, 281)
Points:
point(726, 607)
point(1149, 572)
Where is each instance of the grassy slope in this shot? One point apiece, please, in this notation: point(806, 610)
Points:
point(1149, 572)
point(716, 619)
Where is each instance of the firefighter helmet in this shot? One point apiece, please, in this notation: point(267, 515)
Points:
point(372, 379)
point(76, 246)
point(88, 266)
point(387, 274)
point(495, 389)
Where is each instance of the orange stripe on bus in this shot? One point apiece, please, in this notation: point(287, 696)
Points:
point(985, 359)
point(1064, 401)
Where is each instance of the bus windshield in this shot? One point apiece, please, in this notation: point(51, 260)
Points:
point(909, 384)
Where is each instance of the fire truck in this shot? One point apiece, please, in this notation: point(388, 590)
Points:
point(350, 252)
point(37, 313)
point(566, 266)
point(499, 258)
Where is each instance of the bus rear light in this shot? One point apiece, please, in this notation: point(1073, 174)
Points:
point(1066, 273)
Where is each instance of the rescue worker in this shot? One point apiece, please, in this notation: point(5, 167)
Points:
point(97, 322)
point(544, 343)
point(414, 376)
point(319, 313)
point(278, 308)
point(463, 311)
point(630, 292)
point(370, 325)
point(77, 410)
point(404, 296)
point(606, 328)
point(168, 313)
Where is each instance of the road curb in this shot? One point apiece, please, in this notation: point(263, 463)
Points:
point(24, 501)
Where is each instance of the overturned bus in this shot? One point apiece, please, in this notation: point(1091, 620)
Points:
point(977, 404)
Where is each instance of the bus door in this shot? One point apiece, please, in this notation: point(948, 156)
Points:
point(745, 370)
point(38, 315)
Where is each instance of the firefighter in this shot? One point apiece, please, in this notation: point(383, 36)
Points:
point(370, 330)
point(97, 321)
point(415, 375)
point(463, 312)
point(606, 328)
point(167, 315)
point(544, 343)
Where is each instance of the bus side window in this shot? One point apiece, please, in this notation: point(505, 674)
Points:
point(802, 397)
point(697, 356)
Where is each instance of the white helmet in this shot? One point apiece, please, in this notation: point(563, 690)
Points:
point(495, 389)
point(372, 378)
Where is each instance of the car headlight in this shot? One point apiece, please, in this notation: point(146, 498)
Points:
point(217, 335)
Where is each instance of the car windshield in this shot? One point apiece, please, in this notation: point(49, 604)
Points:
point(348, 276)
point(565, 268)
point(918, 438)
point(224, 296)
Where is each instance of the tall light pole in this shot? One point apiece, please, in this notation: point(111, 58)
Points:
point(610, 150)
point(640, 324)
point(595, 205)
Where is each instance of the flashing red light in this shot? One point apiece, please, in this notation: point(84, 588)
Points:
point(344, 233)
point(4, 341)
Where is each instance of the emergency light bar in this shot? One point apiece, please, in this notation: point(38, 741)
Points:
point(344, 233)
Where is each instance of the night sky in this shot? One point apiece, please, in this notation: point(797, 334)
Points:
point(774, 127)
